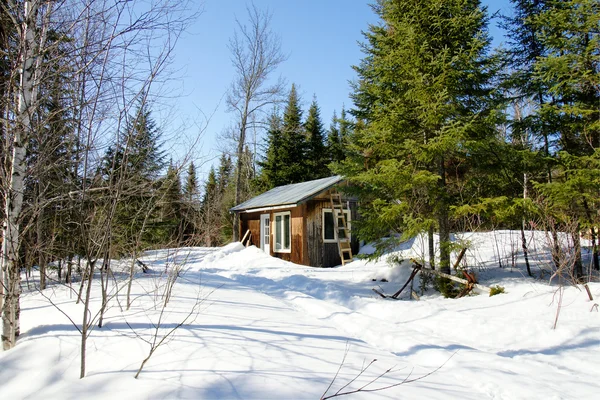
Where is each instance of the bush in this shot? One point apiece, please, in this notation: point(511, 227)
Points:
point(496, 290)
point(446, 287)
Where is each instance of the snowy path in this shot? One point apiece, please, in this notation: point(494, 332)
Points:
point(427, 334)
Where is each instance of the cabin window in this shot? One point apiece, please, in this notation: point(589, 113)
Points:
point(282, 233)
point(329, 235)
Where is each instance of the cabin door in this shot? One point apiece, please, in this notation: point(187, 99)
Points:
point(265, 232)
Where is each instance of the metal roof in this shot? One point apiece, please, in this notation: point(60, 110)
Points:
point(292, 195)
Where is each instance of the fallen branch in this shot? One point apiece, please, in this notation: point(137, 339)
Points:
point(460, 257)
point(456, 279)
point(368, 387)
point(412, 276)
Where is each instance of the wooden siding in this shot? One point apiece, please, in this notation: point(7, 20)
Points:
point(322, 254)
point(251, 221)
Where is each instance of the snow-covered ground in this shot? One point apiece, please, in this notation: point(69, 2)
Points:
point(263, 328)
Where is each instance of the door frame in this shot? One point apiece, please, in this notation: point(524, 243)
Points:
point(263, 218)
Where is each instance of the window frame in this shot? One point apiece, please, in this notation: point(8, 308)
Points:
point(335, 239)
point(276, 229)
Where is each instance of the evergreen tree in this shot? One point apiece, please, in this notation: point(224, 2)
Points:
point(294, 143)
point(190, 189)
point(191, 205)
point(316, 154)
point(334, 144)
point(168, 228)
point(345, 128)
point(132, 165)
point(272, 164)
point(210, 211)
point(525, 47)
point(568, 30)
point(224, 175)
point(422, 99)
point(137, 153)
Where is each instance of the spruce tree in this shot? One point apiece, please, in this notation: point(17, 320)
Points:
point(316, 151)
point(191, 204)
point(422, 99)
point(294, 143)
point(210, 211)
point(191, 184)
point(132, 167)
point(335, 147)
point(568, 30)
point(272, 165)
point(168, 228)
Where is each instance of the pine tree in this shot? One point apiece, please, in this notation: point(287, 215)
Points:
point(422, 99)
point(316, 151)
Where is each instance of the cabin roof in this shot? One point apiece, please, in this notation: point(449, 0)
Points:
point(288, 195)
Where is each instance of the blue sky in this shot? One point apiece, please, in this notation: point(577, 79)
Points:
point(320, 36)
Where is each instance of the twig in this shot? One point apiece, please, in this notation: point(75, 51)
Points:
point(365, 388)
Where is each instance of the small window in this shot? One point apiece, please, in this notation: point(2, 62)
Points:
point(282, 233)
point(329, 234)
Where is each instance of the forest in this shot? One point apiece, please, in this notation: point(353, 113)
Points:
point(446, 134)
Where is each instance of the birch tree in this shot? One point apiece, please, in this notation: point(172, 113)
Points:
point(26, 16)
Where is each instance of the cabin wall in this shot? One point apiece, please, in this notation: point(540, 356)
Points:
point(324, 254)
point(299, 246)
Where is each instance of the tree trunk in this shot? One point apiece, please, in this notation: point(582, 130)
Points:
point(86, 313)
point(40, 247)
point(524, 245)
point(443, 220)
point(131, 275)
point(104, 288)
point(556, 251)
point(593, 235)
point(69, 269)
point(577, 263)
point(238, 179)
point(523, 222)
point(431, 244)
point(14, 196)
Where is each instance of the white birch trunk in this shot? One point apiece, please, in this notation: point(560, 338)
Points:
point(14, 194)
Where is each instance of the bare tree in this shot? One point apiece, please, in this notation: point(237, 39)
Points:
point(115, 51)
point(255, 54)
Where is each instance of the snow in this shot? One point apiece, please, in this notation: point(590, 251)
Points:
point(261, 328)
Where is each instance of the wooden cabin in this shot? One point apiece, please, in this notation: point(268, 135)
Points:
point(307, 223)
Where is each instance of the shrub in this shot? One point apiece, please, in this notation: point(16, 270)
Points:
point(496, 290)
